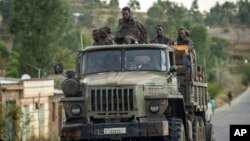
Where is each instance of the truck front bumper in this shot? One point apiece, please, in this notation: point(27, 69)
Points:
point(79, 131)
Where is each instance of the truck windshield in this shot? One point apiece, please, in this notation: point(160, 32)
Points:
point(134, 60)
point(101, 61)
point(145, 59)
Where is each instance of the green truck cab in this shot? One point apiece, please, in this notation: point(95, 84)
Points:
point(133, 92)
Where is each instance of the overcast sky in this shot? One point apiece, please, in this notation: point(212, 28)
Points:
point(204, 5)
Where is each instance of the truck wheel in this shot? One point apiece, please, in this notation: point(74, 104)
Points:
point(196, 127)
point(210, 132)
point(202, 128)
point(176, 130)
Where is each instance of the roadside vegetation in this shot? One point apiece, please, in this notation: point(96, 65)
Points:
point(14, 124)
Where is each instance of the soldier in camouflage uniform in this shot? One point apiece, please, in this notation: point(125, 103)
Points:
point(102, 36)
point(130, 30)
point(160, 38)
point(183, 39)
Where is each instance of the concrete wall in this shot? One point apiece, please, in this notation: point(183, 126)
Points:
point(56, 117)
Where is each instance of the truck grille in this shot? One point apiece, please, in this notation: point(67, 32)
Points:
point(112, 100)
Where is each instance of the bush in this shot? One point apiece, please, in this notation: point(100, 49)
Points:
point(214, 88)
point(245, 70)
point(3, 51)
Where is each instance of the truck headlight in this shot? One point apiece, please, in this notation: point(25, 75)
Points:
point(75, 110)
point(154, 107)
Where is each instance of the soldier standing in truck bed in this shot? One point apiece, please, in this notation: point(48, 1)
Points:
point(130, 30)
point(160, 38)
point(183, 39)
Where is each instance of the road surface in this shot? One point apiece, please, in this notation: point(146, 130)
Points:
point(238, 113)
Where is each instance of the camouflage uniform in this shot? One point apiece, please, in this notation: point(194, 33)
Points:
point(162, 40)
point(131, 31)
point(184, 41)
point(102, 36)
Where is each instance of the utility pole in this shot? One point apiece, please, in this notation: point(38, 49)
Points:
point(81, 33)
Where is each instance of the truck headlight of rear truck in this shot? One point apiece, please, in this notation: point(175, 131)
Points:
point(76, 110)
point(154, 107)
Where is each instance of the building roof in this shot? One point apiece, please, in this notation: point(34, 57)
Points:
point(6, 80)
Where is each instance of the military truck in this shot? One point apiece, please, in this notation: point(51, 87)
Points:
point(135, 92)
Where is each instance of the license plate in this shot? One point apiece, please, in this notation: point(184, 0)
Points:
point(114, 130)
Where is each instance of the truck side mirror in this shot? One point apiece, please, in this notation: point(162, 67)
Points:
point(173, 69)
point(58, 68)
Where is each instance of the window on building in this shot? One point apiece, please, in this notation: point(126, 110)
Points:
point(53, 111)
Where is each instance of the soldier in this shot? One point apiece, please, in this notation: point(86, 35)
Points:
point(160, 38)
point(230, 98)
point(183, 39)
point(130, 30)
point(102, 36)
point(213, 104)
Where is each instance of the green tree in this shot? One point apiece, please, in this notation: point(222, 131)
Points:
point(86, 20)
point(214, 16)
point(4, 54)
point(195, 14)
point(13, 65)
point(222, 15)
point(244, 12)
point(229, 13)
point(3, 51)
point(194, 6)
point(6, 10)
point(92, 14)
point(199, 36)
point(72, 42)
point(37, 27)
point(94, 2)
point(134, 5)
point(114, 3)
point(71, 38)
point(215, 55)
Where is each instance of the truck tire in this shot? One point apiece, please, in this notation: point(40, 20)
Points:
point(210, 132)
point(202, 128)
point(195, 127)
point(176, 130)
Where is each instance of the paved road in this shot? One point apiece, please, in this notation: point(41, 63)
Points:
point(238, 113)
